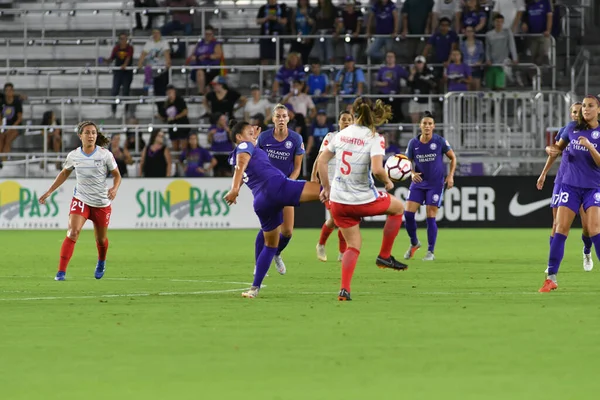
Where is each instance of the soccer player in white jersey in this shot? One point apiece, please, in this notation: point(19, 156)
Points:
point(359, 150)
point(345, 120)
point(91, 196)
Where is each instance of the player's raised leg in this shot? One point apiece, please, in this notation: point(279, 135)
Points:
point(390, 231)
point(412, 206)
point(76, 223)
point(588, 262)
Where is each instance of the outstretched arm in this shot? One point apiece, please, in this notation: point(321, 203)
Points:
point(60, 179)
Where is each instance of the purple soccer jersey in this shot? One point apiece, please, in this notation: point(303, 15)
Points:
point(428, 159)
point(281, 153)
point(561, 170)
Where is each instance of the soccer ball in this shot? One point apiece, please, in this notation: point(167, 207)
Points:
point(398, 167)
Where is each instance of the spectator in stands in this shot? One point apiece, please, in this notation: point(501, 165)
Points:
point(349, 81)
point(391, 78)
point(444, 9)
point(122, 55)
point(290, 71)
point(422, 82)
point(53, 135)
point(256, 104)
point(300, 101)
point(297, 123)
point(208, 52)
point(512, 10)
point(12, 115)
point(156, 157)
point(147, 5)
point(325, 16)
point(131, 134)
point(351, 24)
point(220, 144)
point(319, 129)
point(384, 15)
point(457, 74)
point(222, 99)
point(317, 83)
point(175, 112)
point(259, 120)
point(474, 56)
point(181, 20)
point(416, 20)
point(391, 144)
point(471, 15)
point(122, 155)
point(538, 21)
point(302, 23)
point(272, 18)
point(157, 58)
point(500, 45)
point(444, 40)
point(194, 159)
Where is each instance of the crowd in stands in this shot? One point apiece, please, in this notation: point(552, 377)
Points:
point(470, 45)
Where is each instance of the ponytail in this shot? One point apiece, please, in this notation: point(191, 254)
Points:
point(371, 115)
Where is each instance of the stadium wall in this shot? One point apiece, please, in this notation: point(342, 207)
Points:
point(502, 202)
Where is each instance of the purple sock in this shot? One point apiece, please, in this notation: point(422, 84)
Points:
point(148, 78)
point(283, 242)
point(258, 245)
point(431, 234)
point(411, 227)
point(587, 244)
point(263, 263)
point(557, 251)
point(551, 237)
point(596, 241)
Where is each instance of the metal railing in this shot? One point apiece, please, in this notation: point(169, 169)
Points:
point(580, 67)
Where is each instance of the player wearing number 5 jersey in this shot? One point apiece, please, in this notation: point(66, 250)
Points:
point(427, 187)
point(580, 184)
point(91, 197)
point(359, 150)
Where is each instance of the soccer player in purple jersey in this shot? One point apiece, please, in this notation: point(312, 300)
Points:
point(285, 150)
point(426, 153)
point(580, 183)
point(588, 263)
point(272, 191)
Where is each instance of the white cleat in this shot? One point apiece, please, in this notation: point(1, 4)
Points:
point(254, 274)
point(588, 262)
point(251, 293)
point(280, 265)
point(340, 256)
point(429, 256)
point(321, 253)
point(411, 251)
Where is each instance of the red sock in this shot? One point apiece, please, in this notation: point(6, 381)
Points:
point(102, 249)
point(325, 232)
point(348, 264)
point(390, 231)
point(66, 251)
point(342, 242)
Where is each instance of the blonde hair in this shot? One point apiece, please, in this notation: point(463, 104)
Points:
point(371, 115)
point(279, 106)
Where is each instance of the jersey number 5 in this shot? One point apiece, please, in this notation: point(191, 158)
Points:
point(346, 167)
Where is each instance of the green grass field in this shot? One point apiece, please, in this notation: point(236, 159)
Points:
point(168, 321)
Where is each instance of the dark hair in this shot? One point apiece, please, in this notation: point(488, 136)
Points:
point(427, 114)
point(153, 136)
point(8, 85)
point(371, 115)
point(101, 140)
point(209, 28)
point(236, 129)
point(47, 117)
point(344, 112)
point(188, 140)
point(445, 19)
point(582, 123)
point(498, 16)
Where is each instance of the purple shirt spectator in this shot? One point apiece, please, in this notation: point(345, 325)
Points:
point(384, 18)
point(456, 73)
point(220, 141)
point(204, 48)
point(443, 45)
point(195, 158)
point(537, 13)
point(392, 76)
point(472, 17)
point(286, 76)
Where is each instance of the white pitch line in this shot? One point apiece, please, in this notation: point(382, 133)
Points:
point(135, 279)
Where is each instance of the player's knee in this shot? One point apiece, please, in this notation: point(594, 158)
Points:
point(73, 234)
point(287, 230)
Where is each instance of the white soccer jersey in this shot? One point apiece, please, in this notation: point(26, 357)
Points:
point(91, 171)
point(446, 8)
point(509, 10)
point(331, 165)
point(353, 148)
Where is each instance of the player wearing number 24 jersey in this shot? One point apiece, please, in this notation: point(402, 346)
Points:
point(91, 197)
point(358, 151)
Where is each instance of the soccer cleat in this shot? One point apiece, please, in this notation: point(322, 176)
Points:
point(321, 253)
point(254, 273)
point(411, 251)
point(429, 256)
point(340, 256)
point(280, 265)
point(588, 262)
point(344, 295)
point(549, 285)
point(100, 267)
point(251, 293)
point(60, 276)
point(391, 263)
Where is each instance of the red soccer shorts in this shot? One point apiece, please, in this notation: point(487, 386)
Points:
point(100, 216)
point(348, 215)
point(328, 205)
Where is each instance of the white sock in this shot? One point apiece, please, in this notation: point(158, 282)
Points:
point(552, 278)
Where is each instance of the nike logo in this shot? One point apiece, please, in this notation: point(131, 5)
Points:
point(268, 145)
point(519, 210)
point(416, 148)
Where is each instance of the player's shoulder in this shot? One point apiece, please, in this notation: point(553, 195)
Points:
point(74, 153)
point(295, 135)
